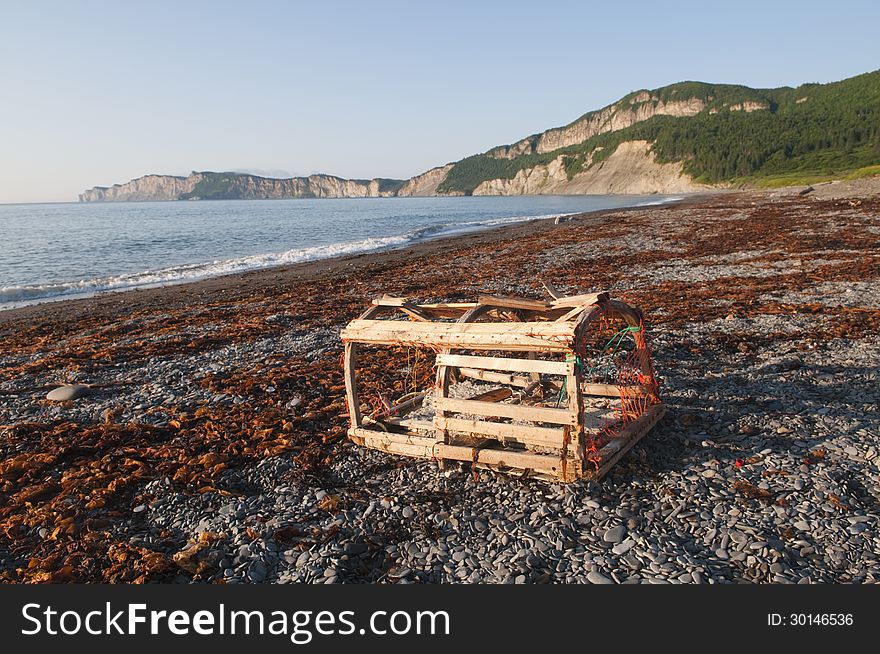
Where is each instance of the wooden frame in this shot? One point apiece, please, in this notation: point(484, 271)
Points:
point(546, 418)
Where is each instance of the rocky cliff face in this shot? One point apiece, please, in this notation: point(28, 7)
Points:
point(202, 185)
point(625, 113)
point(426, 183)
point(148, 187)
point(630, 169)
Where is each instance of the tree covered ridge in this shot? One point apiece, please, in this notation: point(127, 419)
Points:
point(814, 129)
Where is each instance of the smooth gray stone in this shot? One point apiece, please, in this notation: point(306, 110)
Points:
point(598, 578)
point(624, 547)
point(68, 392)
point(615, 534)
point(857, 528)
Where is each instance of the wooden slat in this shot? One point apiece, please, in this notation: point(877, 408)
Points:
point(404, 305)
point(389, 301)
point(611, 390)
point(543, 436)
point(494, 395)
point(632, 434)
point(498, 377)
point(548, 464)
point(414, 312)
point(401, 409)
point(552, 291)
point(411, 423)
point(515, 411)
point(576, 405)
point(506, 364)
point(514, 336)
point(509, 302)
point(448, 305)
point(577, 300)
point(428, 448)
point(601, 390)
point(351, 390)
point(573, 313)
point(535, 376)
point(407, 444)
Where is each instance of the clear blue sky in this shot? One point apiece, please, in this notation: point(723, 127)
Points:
point(93, 93)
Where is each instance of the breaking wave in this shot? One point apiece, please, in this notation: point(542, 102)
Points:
point(14, 296)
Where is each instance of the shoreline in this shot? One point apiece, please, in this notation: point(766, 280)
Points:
point(231, 285)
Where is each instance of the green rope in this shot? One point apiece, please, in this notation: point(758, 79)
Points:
point(619, 336)
point(561, 392)
point(579, 364)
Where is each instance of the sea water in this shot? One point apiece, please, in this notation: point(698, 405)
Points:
point(59, 251)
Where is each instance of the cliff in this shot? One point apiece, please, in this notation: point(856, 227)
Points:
point(425, 184)
point(631, 168)
point(238, 186)
point(148, 187)
point(674, 139)
point(629, 111)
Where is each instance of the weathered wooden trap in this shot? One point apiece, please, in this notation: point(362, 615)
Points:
point(556, 389)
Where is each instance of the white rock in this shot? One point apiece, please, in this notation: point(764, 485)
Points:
point(68, 392)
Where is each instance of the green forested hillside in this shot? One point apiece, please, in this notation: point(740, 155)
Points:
point(214, 186)
point(813, 131)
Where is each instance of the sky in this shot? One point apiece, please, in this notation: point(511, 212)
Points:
point(97, 93)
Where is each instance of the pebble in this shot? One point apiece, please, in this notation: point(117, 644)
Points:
point(624, 547)
point(595, 577)
point(615, 534)
point(857, 528)
point(68, 392)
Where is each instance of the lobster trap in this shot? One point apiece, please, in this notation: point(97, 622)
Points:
point(557, 389)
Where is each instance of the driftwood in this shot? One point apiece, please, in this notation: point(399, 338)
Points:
point(545, 416)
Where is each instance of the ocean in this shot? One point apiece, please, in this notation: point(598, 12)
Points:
point(59, 251)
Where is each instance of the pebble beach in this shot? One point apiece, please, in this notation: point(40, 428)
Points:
point(207, 443)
